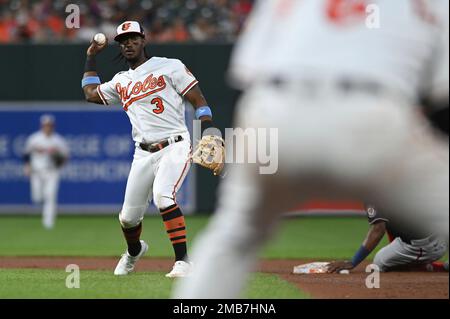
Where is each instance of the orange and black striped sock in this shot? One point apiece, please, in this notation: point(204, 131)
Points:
point(176, 229)
point(132, 236)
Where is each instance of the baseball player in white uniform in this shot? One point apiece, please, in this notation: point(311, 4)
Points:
point(45, 154)
point(154, 93)
point(342, 94)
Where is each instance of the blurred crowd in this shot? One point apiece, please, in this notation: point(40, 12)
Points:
point(44, 21)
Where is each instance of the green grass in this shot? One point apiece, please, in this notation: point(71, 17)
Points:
point(267, 286)
point(43, 283)
point(80, 236)
point(315, 238)
point(320, 238)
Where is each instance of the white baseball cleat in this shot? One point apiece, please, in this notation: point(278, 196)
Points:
point(126, 263)
point(180, 269)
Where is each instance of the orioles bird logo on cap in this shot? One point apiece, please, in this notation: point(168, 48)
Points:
point(126, 26)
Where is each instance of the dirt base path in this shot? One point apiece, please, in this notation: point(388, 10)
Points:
point(433, 285)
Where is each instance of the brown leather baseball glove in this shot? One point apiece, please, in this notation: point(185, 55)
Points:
point(210, 153)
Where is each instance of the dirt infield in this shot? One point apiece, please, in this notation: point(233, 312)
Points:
point(392, 285)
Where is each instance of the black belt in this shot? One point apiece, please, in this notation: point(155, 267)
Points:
point(342, 84)
point(155, 147)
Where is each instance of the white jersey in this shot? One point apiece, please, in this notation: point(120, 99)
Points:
point(40, 147)
point(152, 95)
point(408, 53)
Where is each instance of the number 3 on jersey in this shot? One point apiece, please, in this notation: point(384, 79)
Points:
point(159, 106)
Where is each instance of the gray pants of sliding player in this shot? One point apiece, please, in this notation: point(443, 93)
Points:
point(399, 253)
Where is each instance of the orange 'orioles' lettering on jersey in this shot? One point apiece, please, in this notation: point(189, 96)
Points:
point(346, 11)
point(150, 83)
point(135, 89)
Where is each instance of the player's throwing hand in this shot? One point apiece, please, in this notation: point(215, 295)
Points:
point(95, 47)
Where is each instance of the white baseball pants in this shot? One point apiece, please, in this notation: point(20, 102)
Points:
point(44, 189)
point(332, 144)
point(156, 175)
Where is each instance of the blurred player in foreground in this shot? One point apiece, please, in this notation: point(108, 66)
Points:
point(45, 154)
point(409, 249)
point(154, 93)
point(342, 92)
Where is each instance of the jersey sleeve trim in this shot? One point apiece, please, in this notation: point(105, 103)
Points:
point(190, 86)
point(102, 97)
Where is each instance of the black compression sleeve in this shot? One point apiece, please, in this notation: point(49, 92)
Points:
point(206, 124)
point(209, 125)
point(89, 65)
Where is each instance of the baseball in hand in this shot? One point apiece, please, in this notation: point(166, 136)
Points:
point(100, 38)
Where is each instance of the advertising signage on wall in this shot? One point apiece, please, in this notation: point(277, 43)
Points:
point(101, 152)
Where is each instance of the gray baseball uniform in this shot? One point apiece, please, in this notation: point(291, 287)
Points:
point(407, 246)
